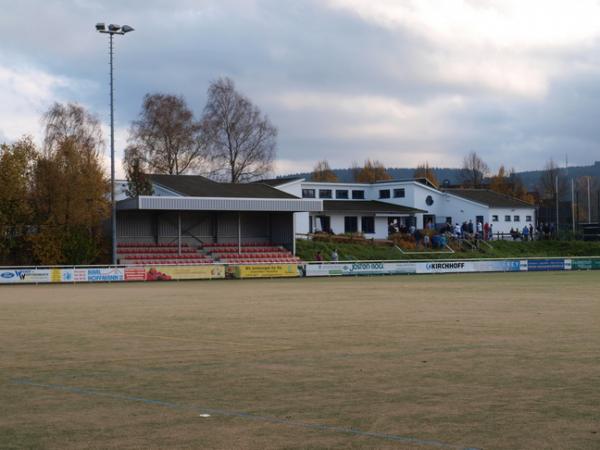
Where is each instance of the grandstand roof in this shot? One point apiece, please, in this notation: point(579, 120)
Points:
point(489, 198)
point(198, 186)
point(372, 206)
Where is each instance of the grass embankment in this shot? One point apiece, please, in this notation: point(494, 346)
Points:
point(307, 250)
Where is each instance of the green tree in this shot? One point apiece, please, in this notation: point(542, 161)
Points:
point(16, 218)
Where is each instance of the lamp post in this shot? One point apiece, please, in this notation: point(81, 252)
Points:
point(111, 30)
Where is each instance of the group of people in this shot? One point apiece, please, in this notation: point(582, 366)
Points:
point(333, 257)
point(469, 230)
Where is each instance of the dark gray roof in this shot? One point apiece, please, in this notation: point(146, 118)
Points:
point(489, 198)
point(198, 186)
point(278, 181)
point(372, 206)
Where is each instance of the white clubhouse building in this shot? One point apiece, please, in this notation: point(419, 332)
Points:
point(371, 207)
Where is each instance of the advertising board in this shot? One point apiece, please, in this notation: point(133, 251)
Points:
point(585, 264)
point(266, 271)
point(199, 272)
point(543, 265)
point(15, 276)
point(468, 266)
point(105, 274)
point(359, 268)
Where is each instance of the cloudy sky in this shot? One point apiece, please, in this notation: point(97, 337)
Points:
point(402, 81)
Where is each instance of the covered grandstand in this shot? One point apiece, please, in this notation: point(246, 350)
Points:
point(191, 219)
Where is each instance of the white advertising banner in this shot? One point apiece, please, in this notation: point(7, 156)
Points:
point(14, 276)
point(468, 266)
point(359, 268)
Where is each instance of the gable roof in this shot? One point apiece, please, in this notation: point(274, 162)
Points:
point(490, 198)
point(368, 206)
point(199, 186)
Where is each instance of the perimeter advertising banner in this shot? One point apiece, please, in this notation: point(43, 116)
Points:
point(544, 265)
point(468, 266)
point(16, 276)
point(266, 271)
point(167, 273)
point(585, 264)
point(362, 268)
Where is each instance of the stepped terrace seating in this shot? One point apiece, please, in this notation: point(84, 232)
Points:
point(146, 254)
point(251, 253)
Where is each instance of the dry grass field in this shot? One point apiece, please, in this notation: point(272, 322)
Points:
point(489, 361)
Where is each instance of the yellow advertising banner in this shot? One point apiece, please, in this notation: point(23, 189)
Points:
point(266, 271)
point(199, 272)
point(55, 275)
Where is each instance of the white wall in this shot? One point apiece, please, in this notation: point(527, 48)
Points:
point(503, 226)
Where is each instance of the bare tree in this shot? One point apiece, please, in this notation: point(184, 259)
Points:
point(167, 138)
point(72, 122)
point(548, 179)
point(241, 139)
point(473, 171)
point(322, 172)
point(138, 182)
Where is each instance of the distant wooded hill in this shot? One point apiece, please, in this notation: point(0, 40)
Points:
point(529, 177)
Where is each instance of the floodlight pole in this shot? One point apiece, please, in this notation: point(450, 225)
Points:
point(113, 204)
point(111, 31)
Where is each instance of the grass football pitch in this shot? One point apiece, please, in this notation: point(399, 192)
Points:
point(488, 361)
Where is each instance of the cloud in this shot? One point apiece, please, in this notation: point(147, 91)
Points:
point(400, 81)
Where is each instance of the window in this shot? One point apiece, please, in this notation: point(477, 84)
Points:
point(429, 200)
point(358, 195)
point(494, 218)
point(350, 224)
point(527, 218)
point(325, 193)
point(384, 193)
point(507, 218)
point(399, 193)
point(517, 218)
point(308, 193)
point(343, 194)
point(368, 225)
point(449, 220)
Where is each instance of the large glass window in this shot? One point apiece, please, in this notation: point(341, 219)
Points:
point(350, 224)
point(341, 194)
point(358, 195)
point(384, 193)
point(325, 193)
point(308, 193)
point(399, 193)
point(517, 218)
point(507, 218)
point(368, 224)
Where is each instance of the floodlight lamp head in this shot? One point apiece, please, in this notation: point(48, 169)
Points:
point(114, 28)
point(126, 29)
point(100, 27)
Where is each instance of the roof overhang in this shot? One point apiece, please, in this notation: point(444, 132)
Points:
point(172, 203)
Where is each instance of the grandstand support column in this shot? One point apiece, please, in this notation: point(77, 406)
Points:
point(179, 233)
point(293, 234)
point(239, 232)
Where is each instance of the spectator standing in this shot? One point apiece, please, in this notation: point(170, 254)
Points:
point(334, 255)
point(479, 230)
point(531, 232)
point(319, 257)
point(525, 233)
point(470, 228)
point(491, 232)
